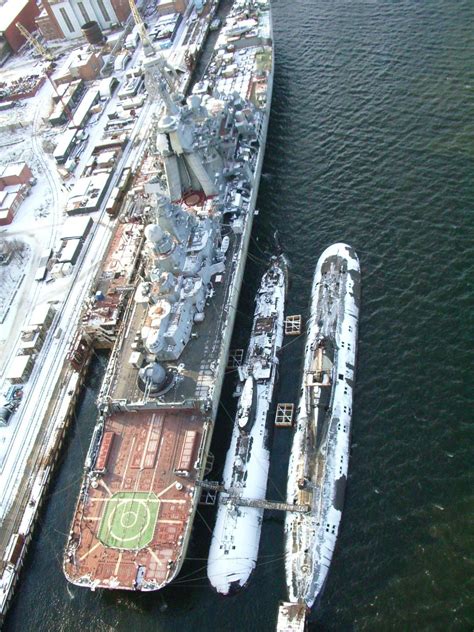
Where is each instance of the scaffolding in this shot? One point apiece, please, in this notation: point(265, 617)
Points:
point(263, 504)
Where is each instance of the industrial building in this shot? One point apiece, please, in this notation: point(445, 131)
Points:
point(82, 63)
point(65, 146)
point(67, 98)
point(14, 173)
point(14, 186)
point(165, 7)
point(76, 228)
point(13, 11)
point(70, 251)
point(20, 369)
point(64, 19)
point(84, 109)
point(42, 316)
point(10, 199)
point(32, 339)
point(88, 193)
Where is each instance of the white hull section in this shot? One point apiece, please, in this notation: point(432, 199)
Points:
point(235, 540)
point(320, 453)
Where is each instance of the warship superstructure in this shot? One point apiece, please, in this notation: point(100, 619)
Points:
point(320, 453)
point(159, 398)
point(235, 540)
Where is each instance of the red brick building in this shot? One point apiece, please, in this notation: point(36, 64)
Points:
point(121, 8)
point(64, 18)
point(47, 23)
point(14, 185)
point(14, 173)
point(13, 11)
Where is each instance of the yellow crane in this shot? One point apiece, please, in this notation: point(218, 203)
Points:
point(147, 45)
point(40, 49)
point(161, 67)
point(47, 56)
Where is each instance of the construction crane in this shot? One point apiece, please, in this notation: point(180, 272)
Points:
point(147, 45)
point(47, 56)
point(40, 49)
point(158, 68)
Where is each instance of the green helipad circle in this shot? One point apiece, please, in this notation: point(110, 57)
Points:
point(129, 520)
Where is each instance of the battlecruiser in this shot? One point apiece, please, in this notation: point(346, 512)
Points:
point(159, 398)
point(320, 453)
point(235, 540)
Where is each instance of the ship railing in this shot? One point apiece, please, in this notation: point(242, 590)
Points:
point(124, 405)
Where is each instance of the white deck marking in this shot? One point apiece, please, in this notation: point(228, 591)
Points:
point(128, 461)
point(104, 485)
point(155, 469)
point(176, 501)
point(163, 491)
point(97, 544)
point(145, 448)
point(154, 556)
point(119, 561)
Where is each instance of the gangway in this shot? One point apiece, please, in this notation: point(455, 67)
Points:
point(211, 485)
point(263, 504)
point(211, 489)
point(284, 415)
point(235, 359)
point(233, 499)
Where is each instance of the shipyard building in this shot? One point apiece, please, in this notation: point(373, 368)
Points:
point(65, 18)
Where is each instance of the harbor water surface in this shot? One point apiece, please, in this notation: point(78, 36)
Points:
point(370, 142)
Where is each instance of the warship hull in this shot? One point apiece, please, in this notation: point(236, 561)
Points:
point(159, 398)
point(320, 453)
point(235, 540)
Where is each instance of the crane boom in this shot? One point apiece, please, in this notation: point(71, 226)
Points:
point(157, 66)
point(40, 49)
point(147, 45)
point(47, 56)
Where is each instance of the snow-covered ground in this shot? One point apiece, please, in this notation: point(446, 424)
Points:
point(25, 136)
point(37, 225)
point(12, 274)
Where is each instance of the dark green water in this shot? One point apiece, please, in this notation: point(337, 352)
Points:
point(370, 142)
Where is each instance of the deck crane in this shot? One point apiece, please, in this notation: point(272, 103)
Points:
point(40, 49)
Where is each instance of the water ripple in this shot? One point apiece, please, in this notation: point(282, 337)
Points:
point(370, 142)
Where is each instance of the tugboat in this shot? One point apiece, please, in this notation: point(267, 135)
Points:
point(235, 540)
point(320, 454)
